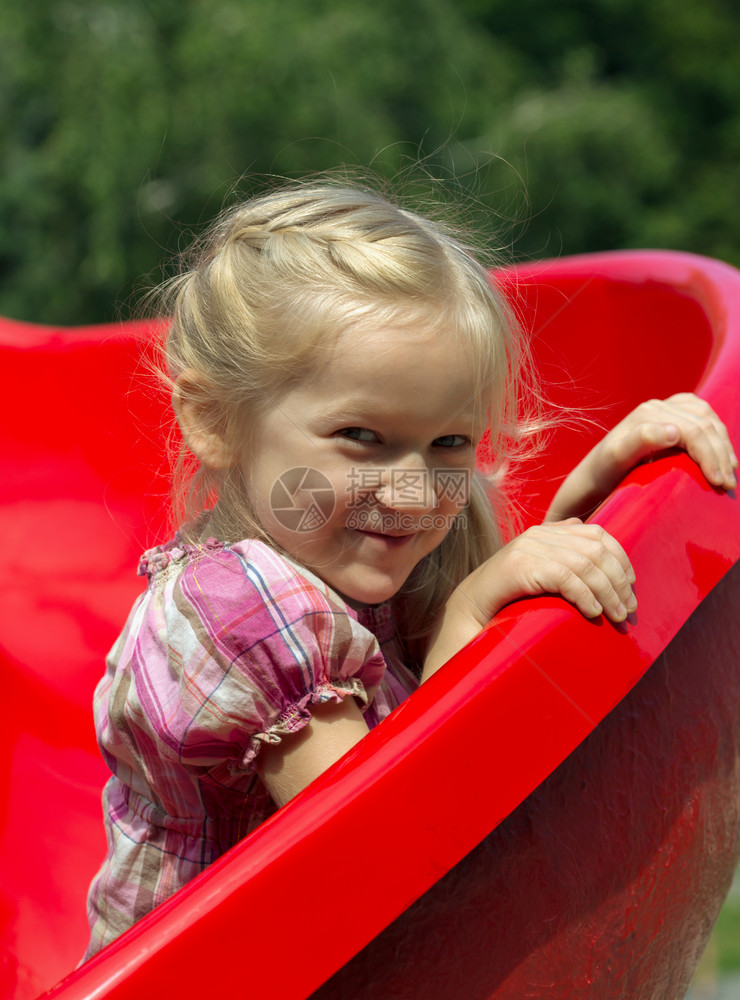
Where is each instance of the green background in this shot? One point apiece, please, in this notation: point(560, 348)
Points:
point(574, 126)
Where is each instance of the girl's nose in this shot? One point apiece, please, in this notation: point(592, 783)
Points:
point(405, 488)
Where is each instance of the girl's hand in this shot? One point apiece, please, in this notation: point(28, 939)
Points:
point(582, 562)
point(682, 421)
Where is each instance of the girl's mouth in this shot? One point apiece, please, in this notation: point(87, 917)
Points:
point(389, 539)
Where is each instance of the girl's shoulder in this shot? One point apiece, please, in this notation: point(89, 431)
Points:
point(237, 572)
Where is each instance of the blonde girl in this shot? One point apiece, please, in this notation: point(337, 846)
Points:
point(335, 361)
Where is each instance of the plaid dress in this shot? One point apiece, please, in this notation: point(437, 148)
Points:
point(225, 651)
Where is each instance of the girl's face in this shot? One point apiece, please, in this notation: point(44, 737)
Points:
point(359, 471)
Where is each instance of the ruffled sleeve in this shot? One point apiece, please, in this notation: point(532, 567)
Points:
point(251, 644)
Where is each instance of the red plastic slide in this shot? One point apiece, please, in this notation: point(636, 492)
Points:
point(554, 814)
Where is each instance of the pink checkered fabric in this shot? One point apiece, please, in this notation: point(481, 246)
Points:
point(227, 649)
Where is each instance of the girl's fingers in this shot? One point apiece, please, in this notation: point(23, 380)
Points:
point(683, 421)
point(591, 598)
point(705, 437)
point(597, 536)
point(599, 572)
point(708, 443)
point(581, 562)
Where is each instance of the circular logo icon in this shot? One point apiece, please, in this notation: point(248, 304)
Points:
point(302, 499)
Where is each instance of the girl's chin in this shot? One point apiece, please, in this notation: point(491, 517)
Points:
point(366, 599)
point(365, 595)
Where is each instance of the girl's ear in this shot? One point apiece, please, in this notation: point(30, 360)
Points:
point(202, 426)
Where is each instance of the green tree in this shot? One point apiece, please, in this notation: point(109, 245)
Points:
point(582, 125)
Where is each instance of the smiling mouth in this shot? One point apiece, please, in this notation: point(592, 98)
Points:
point(390, 537)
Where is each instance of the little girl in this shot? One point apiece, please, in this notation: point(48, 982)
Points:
point(335, 361)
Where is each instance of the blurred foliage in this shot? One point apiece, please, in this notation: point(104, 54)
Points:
point(578, 125)
point(727, 933)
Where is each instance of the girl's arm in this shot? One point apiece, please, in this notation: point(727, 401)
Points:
point(581, 561)
point(682, 421)
point(289, 766)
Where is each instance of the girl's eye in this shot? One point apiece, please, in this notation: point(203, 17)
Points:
point(450, 441)
point(359, 434)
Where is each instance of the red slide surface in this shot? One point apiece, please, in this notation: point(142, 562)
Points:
point(554, 814)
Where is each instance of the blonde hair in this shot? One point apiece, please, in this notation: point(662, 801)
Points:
point(275, 279)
